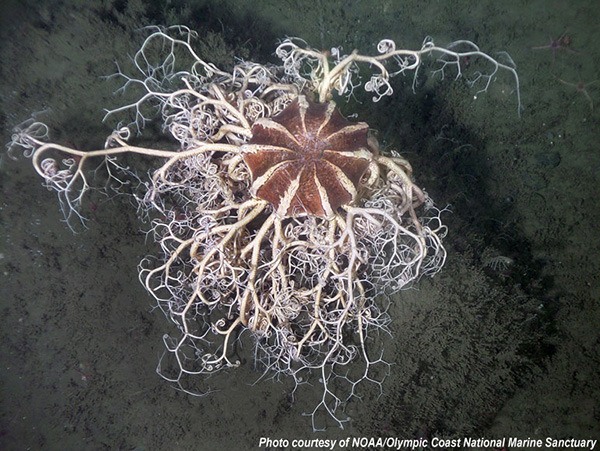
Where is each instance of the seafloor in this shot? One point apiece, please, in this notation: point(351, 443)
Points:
point(504, 342)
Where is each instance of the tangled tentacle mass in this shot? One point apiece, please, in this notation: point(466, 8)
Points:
point(309, 289)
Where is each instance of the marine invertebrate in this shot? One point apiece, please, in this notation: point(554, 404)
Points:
point(276, 216)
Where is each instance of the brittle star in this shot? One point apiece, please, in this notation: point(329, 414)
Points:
point(582, 88)
point(562, 42)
